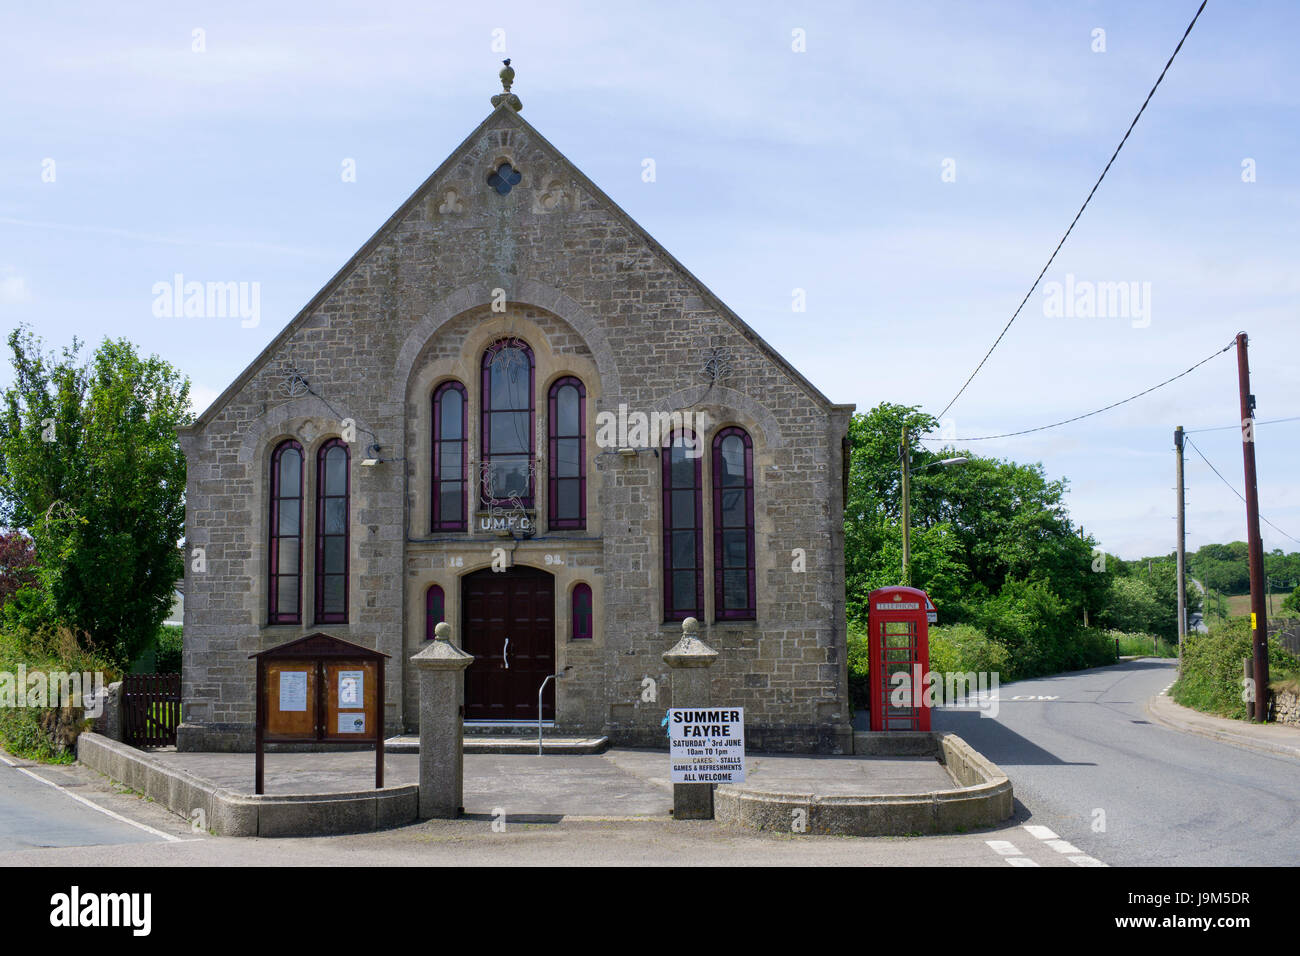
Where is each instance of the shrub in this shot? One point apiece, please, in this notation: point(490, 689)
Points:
point(45, 733)
point(1141, 645)
point(859, 670)
point(1212, 669)
point(1032, 623)
point(962, 648)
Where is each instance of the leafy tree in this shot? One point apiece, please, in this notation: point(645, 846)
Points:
point(1131, 606)
point(1222, 567)
point(91, 468)
point(974, 526)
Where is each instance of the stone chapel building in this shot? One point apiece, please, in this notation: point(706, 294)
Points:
point(514, 411)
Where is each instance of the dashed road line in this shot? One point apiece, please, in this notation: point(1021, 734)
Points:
point(1064, 847)
point(1003, 847)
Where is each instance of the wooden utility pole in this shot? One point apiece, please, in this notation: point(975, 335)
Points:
point(1085, 600)
point(905, 453)
point(1258, 614)
point(1182, 547)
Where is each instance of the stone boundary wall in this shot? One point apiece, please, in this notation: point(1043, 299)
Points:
point(228, 813)
point(1286, 708)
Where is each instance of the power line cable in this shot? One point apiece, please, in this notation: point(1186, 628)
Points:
point(1236, 492)
point(1052, 257)
point(1224, 428)
point(1124, 401)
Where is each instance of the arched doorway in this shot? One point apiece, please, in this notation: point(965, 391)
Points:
point(508, 624)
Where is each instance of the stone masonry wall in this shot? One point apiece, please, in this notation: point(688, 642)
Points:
point(592, 296)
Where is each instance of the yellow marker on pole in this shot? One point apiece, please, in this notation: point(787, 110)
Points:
point(1253, 625)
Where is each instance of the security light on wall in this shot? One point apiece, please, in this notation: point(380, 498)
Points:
point(372, 456)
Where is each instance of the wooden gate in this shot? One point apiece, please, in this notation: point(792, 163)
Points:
point(151, 709)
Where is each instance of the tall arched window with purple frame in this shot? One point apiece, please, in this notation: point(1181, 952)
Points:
point(435, 610)
point(508, 449)
point(733, 526)
point(581, 630)
point(683, 527)
point(450, 444)
point(567, 472)
point(284, 550)
point(332, 518)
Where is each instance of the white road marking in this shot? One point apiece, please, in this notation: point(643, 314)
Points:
point(1049, 837)
point(1063, 846)
point(1003, 847)
point(1020, 861)
point(94, 806)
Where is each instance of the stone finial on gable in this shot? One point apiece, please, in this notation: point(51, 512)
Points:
point(507, 75)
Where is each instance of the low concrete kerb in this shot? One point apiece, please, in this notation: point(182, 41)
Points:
point(1265, 738)
point(982, 799)
point(229, 813)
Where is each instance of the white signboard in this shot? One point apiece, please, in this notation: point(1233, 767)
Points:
point(707, 745)
point(293, 690)
point(352, 723)
point(352, 689)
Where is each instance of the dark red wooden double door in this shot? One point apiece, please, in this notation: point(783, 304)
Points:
point(509, 627)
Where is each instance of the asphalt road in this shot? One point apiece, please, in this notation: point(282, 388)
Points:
point(35, 814)
point(1087, 761)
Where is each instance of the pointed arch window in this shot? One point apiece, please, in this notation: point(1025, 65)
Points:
point(284, 557)
point(567, 454)
point(332, 521)
point(581, 629)
point(683, 527)
point(435, 610)
point(450, 459)
point(733, 525)
point(508, 440)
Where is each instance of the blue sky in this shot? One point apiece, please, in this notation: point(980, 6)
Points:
point(775, 170)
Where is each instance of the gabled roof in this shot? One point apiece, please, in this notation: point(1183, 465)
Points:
point(382, 233)
point(319, 644)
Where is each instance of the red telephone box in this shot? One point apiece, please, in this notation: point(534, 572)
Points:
point(898, 642)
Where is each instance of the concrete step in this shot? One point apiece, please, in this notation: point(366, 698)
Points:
point(506, 728)
point(410, 744)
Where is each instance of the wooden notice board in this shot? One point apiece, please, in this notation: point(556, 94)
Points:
point(320, 690)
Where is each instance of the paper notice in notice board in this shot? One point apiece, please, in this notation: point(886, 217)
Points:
point(352, 723)
point(352, 689)
point(293, 690)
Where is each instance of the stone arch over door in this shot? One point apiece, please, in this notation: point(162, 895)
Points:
point(508, 624)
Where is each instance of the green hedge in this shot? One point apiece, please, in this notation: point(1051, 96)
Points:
point(1142, 644)
point(1212, 669)
point(963, 648)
